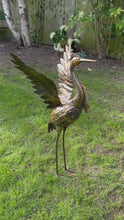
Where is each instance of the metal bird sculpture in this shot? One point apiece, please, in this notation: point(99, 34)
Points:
point(67, 108)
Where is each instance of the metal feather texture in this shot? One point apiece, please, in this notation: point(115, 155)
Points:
point(85, 97)
point(65, 76)
point(43, 86)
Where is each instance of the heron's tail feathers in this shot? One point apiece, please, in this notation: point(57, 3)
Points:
point(51, 127)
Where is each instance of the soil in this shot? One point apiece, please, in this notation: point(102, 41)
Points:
point(48, 58)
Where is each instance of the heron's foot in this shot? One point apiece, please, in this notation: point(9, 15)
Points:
point(73, 173)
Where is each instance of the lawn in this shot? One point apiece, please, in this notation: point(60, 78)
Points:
point(29, 188)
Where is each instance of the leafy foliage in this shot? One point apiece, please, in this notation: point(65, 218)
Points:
point(107, 20)
point(60, 39)
point(81, 53)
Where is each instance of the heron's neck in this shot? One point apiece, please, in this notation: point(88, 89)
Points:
point(79, 94)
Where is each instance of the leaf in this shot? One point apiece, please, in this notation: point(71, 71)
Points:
point(89, 69)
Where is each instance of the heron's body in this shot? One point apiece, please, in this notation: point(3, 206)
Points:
point(67, 108)
point(65, 115)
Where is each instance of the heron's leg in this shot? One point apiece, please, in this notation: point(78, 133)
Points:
point(58, 135)
point(63, 140)
point(65, 168)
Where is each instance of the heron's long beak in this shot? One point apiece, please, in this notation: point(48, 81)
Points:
point(87, 60)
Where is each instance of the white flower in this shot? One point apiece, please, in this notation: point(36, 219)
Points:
point(81, 13)
point(77, 40)
point(58, 47)
point(61, 49)
point(62, 27)
point(55, 47)
point(52, 35)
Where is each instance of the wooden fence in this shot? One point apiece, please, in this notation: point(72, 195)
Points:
point(47, 15)
point(4, 31)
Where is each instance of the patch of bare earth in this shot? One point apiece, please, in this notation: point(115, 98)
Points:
point(46, 55)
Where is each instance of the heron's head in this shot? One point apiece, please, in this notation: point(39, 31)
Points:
point(77, 60)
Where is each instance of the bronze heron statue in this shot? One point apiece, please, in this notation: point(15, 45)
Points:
point(67, 108)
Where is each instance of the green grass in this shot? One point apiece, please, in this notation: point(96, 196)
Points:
point(29, 188)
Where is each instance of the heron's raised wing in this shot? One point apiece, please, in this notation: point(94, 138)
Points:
point(66, 80)
point(85, 97)
point(43, 86)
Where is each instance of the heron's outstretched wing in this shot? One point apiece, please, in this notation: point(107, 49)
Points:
point(43, 86)
point(85, 97)
point(66, 80)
